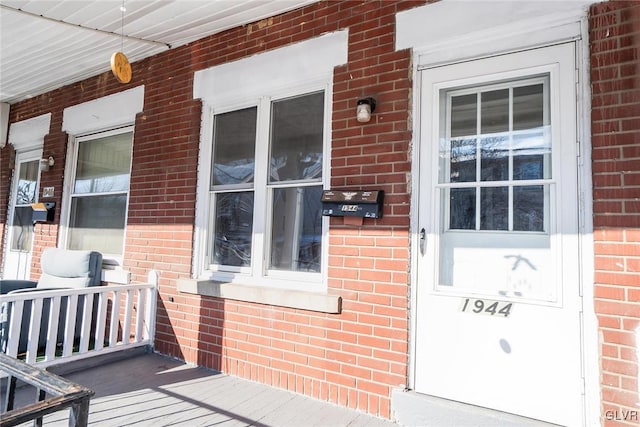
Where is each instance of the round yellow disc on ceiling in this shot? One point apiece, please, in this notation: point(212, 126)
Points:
point(120, 67)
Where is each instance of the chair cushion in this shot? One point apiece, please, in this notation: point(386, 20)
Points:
point(54, 282)
point(63, 268)
point(9, 285)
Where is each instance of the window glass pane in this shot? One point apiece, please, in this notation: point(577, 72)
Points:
point(528, 208)
point(528, 167)
point(233, 229)
point(27, 182)
point(104, 164)
point(464, 116)
point(97, 223)
point(462, 211)
point(495, 111)
point(532, 155)
point(234, 146)
point(528, 107)
point(463, 160)
point(22, 229)
point(494, 161)
point(296, 229)
point(494, 208)
point(493, 222)
point(296, 138)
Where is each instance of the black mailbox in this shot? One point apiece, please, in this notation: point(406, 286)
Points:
point(364, 204)
point(43, 212)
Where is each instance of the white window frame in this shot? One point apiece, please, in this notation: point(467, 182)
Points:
point(72, 163)
point(258, 272)
point(293, 70)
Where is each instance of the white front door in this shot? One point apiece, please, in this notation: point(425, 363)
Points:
point(498, 295)
point(24, 192)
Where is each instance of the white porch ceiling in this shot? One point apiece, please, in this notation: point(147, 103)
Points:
point(46, 44)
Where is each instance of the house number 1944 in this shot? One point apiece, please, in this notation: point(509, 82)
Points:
point(483, 306)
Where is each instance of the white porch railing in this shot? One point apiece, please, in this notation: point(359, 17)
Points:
point(97, 320)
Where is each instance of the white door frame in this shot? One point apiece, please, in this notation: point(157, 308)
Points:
point(528, 33)
point(27, 139)
point(17, 264)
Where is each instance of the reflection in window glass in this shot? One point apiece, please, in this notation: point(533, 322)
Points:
point(104, 164)
point(494, 111)
point(97, 223)
point(233, 228)
point(494, 160)
point(528, 167)
point(494, 208)
point(532, 155)
point(296, 229)
point(27, 182)
point(528, 107)
point(296, 138)
point(528, 204)
point(101, 192)
point(22, 229)
point(462, 215)
point(234, 147)
point(463, 160)
point(296, 146)
point(26, 189)
point(511, 146)
point(464, 117)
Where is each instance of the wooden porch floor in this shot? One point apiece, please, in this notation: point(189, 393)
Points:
point(152, 390)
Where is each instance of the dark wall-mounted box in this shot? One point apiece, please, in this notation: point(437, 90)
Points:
point(43, 212)
point(364, 204)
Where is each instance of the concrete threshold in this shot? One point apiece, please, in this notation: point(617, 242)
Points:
point(409, 408)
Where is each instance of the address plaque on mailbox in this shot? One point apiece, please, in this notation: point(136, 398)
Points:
point(365, 204)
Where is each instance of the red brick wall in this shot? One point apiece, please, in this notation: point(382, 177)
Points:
point(353, 358)
point(615, 77)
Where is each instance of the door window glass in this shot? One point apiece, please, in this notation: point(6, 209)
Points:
point(498, 145)
point(26, 194)
point(495, 189)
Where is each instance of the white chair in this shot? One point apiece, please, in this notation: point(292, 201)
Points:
point(61, 269)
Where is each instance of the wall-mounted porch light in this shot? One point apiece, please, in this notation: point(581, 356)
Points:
point(365, 107)
point(45, 164)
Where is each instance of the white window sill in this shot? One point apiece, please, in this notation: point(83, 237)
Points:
point(312, 301)
point(121, 277)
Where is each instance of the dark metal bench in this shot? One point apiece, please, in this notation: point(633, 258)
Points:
point(53, 393)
